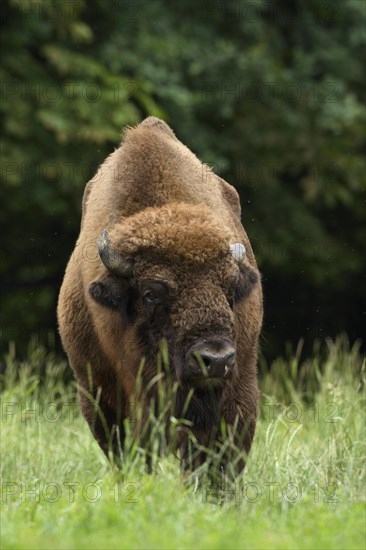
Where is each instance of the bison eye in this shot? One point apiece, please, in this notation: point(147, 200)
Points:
point(153, 293)
point(150, 296)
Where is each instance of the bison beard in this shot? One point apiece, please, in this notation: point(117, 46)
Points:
point(175, 265)
point(203, 409)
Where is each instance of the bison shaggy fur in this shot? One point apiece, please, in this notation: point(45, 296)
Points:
point(162, 256)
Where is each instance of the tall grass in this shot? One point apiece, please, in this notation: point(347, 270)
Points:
point(303, 486)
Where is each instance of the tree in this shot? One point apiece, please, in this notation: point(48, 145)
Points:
point(63, 111)
point(270, 93)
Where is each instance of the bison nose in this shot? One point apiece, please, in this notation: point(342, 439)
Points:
point(211, 361)
point(216, 363)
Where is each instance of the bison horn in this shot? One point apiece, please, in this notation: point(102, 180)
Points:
point(115, 263)
point(238, 251)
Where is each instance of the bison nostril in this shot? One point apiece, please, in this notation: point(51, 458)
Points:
point(215, 364)
point(230, 359)
point(206, 358)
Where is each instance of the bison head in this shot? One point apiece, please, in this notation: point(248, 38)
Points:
point(176, 273)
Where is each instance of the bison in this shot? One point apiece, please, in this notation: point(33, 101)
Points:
point(162, 257)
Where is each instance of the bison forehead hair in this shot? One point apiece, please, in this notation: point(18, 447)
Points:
point(182, 233)
point(185, 248)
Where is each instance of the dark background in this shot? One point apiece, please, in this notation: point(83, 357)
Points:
point(271, 94)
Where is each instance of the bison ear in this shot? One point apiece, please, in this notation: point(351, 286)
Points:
point(112, 292)
point(248, 279)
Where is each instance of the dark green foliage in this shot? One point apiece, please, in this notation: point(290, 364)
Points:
point(270, 93)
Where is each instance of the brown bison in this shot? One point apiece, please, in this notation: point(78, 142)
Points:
point(162, 257)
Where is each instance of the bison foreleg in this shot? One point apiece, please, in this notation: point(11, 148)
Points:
point(105, 423)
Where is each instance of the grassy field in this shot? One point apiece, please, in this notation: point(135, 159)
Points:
point(304, 485)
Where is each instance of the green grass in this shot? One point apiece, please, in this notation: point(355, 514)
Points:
point(304, 485)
